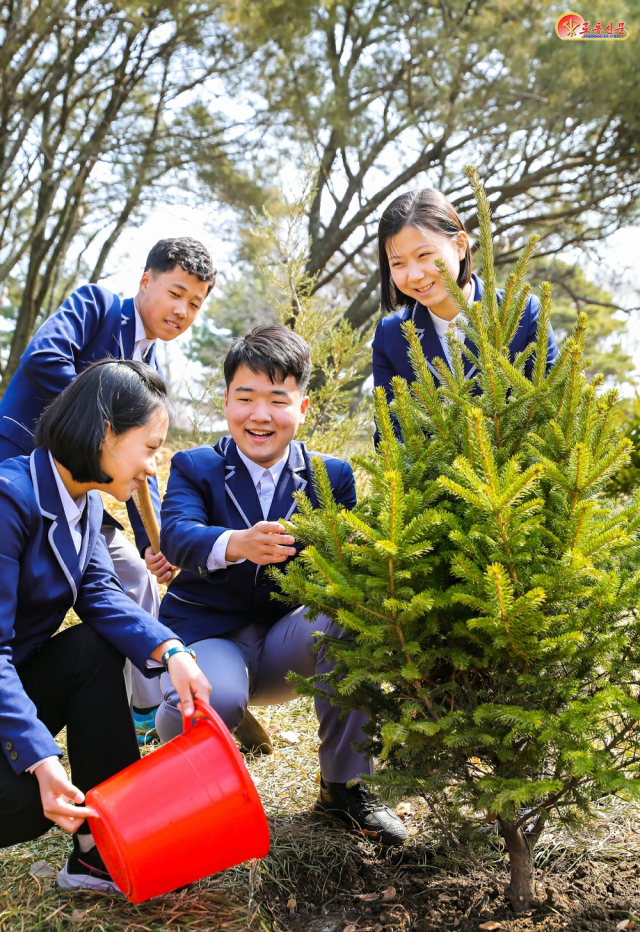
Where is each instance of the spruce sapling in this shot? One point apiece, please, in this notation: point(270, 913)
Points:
point(487, 587)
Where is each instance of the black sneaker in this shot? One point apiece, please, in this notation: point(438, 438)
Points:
point(360, 809)
point(85, 870)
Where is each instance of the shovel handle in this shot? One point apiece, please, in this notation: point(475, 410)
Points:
point(142, 498)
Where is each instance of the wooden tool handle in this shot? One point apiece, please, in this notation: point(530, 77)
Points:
point(142, 498)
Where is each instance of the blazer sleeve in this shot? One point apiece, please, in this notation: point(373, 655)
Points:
point(103, 604)
point(23, 737)
point(49, 362)
point(383, 371)
point(345, 489)
point(186, 532)
point(533, 310)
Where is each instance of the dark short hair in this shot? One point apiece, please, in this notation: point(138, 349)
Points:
point(273, 349)
point(425, 209)
point(188, 253)
point(122, 393)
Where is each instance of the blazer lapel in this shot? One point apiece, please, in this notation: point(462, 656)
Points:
point(91, 527)
point(429, 339)
point(48, 499)
point(470, 368)
point(127, 337)
point(293, 478)
point(240, 488)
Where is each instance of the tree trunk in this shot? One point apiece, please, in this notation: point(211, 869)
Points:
point(520, 889)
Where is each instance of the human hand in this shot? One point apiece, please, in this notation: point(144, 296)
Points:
point(55, 792)
point(158, 564)
point(188, 680)
point(263, 543)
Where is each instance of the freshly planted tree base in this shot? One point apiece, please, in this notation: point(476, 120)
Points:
point(487, 587)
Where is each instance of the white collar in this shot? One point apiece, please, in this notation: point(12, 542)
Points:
point(442, 325)
point(141, 333)
point(256, 470)
point(73, 508)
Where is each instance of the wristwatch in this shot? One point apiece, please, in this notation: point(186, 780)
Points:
point(183, 649)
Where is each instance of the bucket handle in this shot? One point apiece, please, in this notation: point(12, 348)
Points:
point(202, 709)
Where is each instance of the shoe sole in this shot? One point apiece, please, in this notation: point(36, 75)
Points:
point(345, 819)
point(67, 881)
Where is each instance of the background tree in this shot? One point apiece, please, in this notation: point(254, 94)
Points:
point(98, 114)
point(488, 588)
point(380, 95)
point(338, 418)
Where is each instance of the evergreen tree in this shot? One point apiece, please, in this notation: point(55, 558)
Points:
point(487, 588)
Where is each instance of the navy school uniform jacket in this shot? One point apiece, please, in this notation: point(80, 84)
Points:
point(91, 324)
point(391, 349)
point(42, 578)
point(210, 491)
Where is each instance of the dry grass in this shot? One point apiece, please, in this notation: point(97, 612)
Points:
point(311, 860)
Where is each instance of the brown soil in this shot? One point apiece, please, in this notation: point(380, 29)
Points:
point(572, 894)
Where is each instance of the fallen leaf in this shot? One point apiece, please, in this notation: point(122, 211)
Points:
point(456, 922)
point(490, 926)
point(443, 898)
point(626, 924)
point(404, 809)
point(78, 915)
point(291, 737)
point(367, 897)
point(272, 729)
point(350, 928)
point(291, 904)
point(41, 869)
point(377, 927)
point(389, 894)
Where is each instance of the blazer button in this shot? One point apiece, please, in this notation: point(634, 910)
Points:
point(8, 745)
point(14, 755)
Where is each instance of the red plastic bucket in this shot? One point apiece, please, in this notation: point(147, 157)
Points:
point(185, 811)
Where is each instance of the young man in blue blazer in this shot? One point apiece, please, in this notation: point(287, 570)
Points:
point(94, 324)
point(220, 525)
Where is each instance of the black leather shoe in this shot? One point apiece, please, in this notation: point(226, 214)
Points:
point(252, 737)
point(360, 809)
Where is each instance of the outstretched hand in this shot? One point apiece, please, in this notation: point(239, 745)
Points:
point(265, 542)
point(58, 794)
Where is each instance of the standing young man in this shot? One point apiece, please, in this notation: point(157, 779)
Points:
point(95, 324)
point(220, 525)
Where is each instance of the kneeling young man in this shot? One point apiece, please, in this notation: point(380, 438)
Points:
point(220, 526)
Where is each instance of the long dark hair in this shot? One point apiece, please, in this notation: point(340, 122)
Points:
point(121, 393)
point(426, 209)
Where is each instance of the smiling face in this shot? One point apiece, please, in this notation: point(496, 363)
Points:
point(412, 254)
point(168, 302)
point(263, 416)
point(130, 458)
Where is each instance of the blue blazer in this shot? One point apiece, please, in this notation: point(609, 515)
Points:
point(42, 578)
point(391, 349)
point(91, 324)
point(210, 491)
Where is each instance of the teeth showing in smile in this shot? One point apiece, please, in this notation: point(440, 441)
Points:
point(260, 433)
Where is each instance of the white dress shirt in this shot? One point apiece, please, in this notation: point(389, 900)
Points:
point(142, 343)
point(73, 507)
point(443, 326)
point(265, 481)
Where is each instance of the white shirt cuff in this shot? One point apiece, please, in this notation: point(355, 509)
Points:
point(32, 768)
point(217, 559)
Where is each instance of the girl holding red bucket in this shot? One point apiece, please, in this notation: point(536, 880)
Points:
point(102, 432)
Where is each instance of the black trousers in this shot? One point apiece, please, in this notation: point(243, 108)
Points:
point(74, 679)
